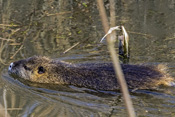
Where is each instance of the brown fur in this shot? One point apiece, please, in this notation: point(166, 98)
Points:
point(98, 76)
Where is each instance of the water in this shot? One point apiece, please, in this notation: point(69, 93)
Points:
point(48, 28)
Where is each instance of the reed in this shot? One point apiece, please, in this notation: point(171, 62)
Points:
point(113, 54)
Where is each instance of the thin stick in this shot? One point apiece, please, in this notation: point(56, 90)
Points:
point(71, 48)
point(5, 102)
point(170, 38)
point(9, 25)
point(121, 79)
point(114, 57)
point(2, 113)
point(12, 109)
point(16, 52)
point(74, 46)
point(103, 15)
point(4, 39)
point(137, 33)
point(61, 13)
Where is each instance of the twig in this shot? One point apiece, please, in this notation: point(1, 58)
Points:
point(4, 39)
point(170, 38)
point(9, 25)
point(114, 56)
point(14, 44)
point(16, 52)
point(103, 15)
point(71, 48)
point(2, 61)
point(140, 34)
point(13, 32)
point(74, 46)
point(5, 102)
point(61, 13)
point(121, 79)
point(12, 109)
point(1, 49)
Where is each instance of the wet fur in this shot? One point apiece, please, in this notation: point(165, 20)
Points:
point(98, 76)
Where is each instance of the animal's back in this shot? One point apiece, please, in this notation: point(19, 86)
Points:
point(99, 76)
point(137, 76)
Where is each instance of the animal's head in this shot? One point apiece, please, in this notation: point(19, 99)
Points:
point(35, 69)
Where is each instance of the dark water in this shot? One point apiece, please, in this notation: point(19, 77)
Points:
point(48, 28)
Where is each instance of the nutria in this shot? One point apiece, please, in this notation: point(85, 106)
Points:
point(99, 76)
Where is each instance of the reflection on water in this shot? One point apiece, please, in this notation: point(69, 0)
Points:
point(44, 102)
point(48, 28)
point(23, 100)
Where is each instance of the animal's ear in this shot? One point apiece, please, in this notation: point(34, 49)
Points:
point(41, 70)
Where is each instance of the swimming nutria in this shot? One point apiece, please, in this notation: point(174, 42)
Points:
point(99, 76)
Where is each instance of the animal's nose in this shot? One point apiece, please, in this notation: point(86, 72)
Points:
point(10, 67)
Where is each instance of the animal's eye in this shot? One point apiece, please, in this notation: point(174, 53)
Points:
point(41, 70)
point(26, 68)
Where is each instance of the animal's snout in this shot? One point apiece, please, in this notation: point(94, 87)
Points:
point(10, 67)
